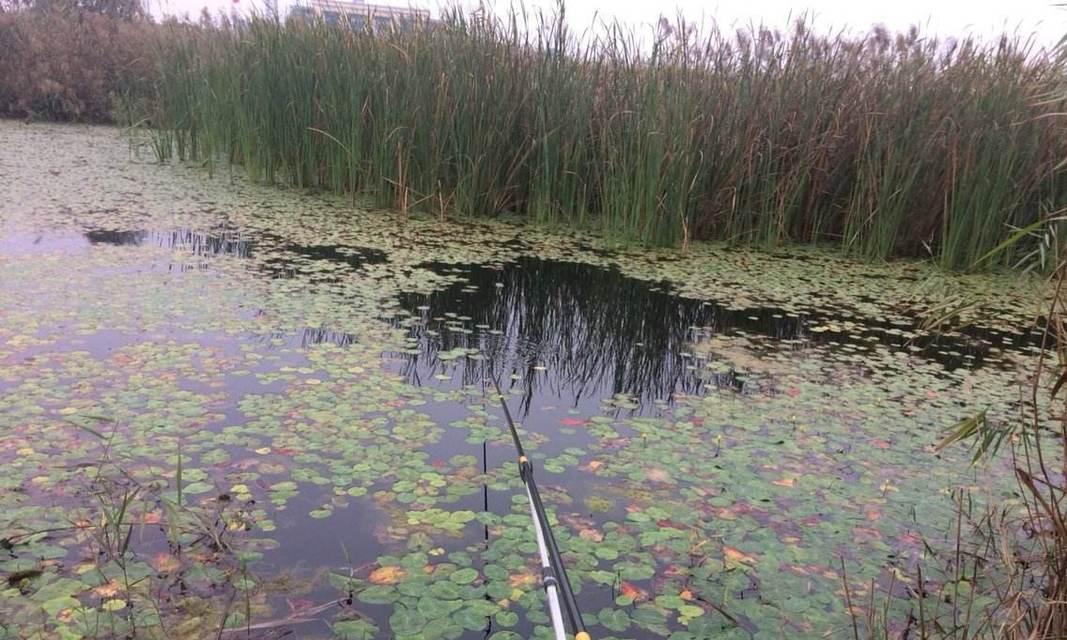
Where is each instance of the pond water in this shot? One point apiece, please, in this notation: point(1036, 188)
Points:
point(234, 410)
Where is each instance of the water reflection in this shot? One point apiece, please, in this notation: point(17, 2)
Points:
point(199, 243)
point(574, 332)
point(310, 337)
point(568, 331)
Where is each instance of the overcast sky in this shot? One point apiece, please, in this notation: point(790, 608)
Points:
point(942, 17)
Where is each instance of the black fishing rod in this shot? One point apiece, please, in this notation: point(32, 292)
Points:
point(553, 573)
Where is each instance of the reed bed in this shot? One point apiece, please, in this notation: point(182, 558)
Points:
point(886, 145)
point(67, 65)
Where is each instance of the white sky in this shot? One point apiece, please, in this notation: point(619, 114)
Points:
point(1043, 18)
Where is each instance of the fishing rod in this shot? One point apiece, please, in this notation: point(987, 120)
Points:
point(553, 573)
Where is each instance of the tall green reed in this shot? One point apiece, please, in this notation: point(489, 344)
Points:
point(886, 145)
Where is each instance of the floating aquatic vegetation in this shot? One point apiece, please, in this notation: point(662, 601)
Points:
point(316, 378)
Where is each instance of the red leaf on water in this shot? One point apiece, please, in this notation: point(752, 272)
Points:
point(165, 562)
point(573, 422)
point(387, 575)
point(675, 571)
point(634, 592)
point(735, 557)
point(590, 534)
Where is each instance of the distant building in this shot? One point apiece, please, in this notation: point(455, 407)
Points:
point(359, 15)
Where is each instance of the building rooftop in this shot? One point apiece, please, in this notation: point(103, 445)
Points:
point(357, 8)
